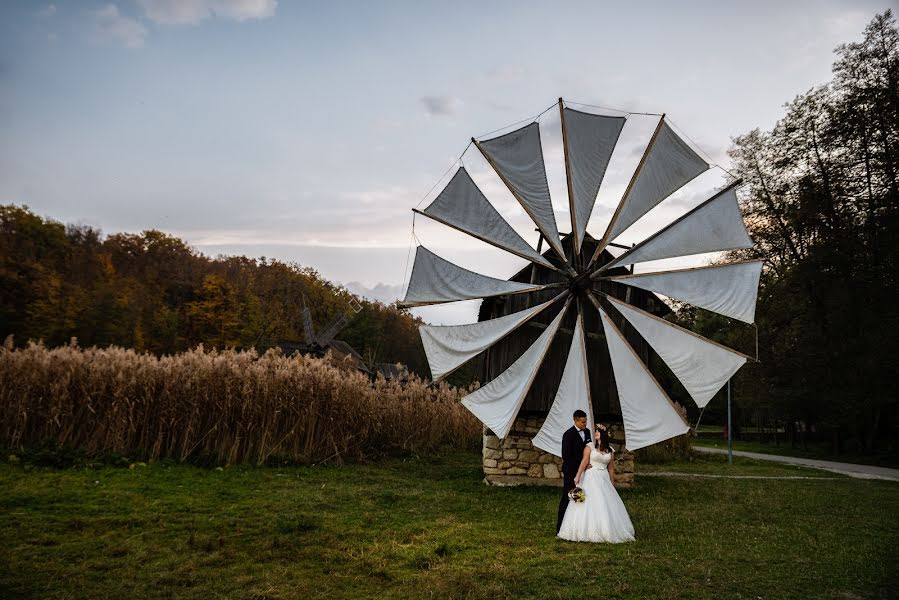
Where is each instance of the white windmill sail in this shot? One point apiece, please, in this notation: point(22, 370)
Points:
point(730, 289)
point(589, 142)
point(668, 164)
point(573, 394)
point(498, 402)
point(648, 414)
point(435, 280)
point(702, 365)
point(517, 157)
point(448, 347)
point(714, 225)
point(462, 205)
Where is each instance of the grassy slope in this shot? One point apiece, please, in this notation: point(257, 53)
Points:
point(430, 528)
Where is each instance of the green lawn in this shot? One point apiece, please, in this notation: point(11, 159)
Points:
point(428, 527)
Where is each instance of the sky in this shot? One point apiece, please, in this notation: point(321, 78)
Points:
point(306, 131)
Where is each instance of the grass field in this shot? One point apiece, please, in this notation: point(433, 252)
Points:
point(428, 527)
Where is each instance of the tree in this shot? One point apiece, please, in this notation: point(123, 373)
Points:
point(822, 202)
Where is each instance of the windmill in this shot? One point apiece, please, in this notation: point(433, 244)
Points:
point(583, 278)
point(319, 343)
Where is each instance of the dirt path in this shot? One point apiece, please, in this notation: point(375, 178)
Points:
point(858, 471)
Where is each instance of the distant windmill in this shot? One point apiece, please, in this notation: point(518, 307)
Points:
point(318, 345)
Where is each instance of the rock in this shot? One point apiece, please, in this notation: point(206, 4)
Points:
point(489, 471)
point(528, 455)
point(489, 462)
point(521, 464)
point(491, 441)
point(504, 465)
point(545, 458)
point(516, 471)
point(625, 479)
point(551, 471)
point(535, 471)
point(510, 454)
point(494, 454)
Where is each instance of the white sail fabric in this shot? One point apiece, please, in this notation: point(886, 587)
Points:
point(669, 164)
point(450, 346)
point(435, 280)
point(462, 205)
point(590, 140)
point(648, 414)
point(517, 158)
point(730, 290)
point(497, 403)
point(714, 225)
point(700, 364)
point(573, 394)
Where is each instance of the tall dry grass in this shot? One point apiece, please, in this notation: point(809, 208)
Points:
point(222, 406)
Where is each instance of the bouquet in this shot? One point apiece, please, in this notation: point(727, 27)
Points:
point(577, 494)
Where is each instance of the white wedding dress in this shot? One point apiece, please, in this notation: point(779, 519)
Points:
point(601, 517)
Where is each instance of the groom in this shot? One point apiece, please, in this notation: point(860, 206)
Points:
point(573, 442)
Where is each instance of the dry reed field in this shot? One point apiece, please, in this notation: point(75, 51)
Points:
point(219, 406)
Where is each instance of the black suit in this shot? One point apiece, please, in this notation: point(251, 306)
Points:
point(572, 454)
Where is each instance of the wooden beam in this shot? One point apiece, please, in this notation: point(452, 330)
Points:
point(521, 201)
point(576, 243)
point(605, 237)
point(670, 225)
point(548, 264)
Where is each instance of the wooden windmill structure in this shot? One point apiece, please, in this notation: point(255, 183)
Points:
point(575, 328)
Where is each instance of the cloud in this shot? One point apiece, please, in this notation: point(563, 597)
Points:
point(382, 292)
point(111, 24)
point(440, 106)
point(396, 195)
point(506, 73)
point(846, 25)
point(47, 12)
point(191, 12)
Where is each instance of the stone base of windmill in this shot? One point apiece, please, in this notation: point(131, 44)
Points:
point(515, 461)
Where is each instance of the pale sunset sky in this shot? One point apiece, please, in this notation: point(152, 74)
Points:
point(306, 131)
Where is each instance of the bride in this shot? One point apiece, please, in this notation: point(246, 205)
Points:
point(601, 517)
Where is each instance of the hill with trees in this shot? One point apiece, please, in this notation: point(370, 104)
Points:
point(153, 292)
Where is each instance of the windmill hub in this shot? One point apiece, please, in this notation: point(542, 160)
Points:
point(577, 285)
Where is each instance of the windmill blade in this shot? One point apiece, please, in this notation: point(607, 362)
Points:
point(435, 280)
point(448, 347)
point(667, 164)
point(497, 404)
point(714, 225)
point(461, 205)
point(703, 366)
point(589, 141)
point(517, 157)
point(308, 328)
point(730, 290)
point(648, 413)
point(573, 394)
